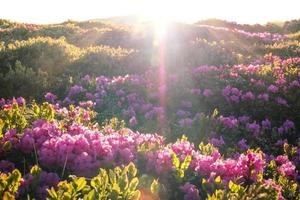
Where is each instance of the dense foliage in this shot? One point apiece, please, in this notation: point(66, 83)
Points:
point(93, 110)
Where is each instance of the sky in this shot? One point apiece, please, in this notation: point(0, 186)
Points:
point(241, 11)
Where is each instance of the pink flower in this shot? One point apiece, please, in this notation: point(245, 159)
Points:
point(217, 141)
point(266, 124)
point(248, 96)
point(295, 84)
point(281, 159)
point(253, 127)
point(50, 97)
point(288, 169)
point(281, 101)
point(263, 96)
point(229, 122)
point(243, 144)
point(191, 191)
point(207, 92)
point(273, 89)
point(133, 121)
point(21, 101)
point(251, 165)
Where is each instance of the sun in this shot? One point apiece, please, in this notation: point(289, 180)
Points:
point(160, 14)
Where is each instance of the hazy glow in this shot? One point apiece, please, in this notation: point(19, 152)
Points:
point(243, 11)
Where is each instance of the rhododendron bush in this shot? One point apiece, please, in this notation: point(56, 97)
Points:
point(42, 145)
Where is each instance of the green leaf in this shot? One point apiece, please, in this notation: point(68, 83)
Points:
point(234, 187)
point(1, 128)
point(96, 182)
point(186, 163)
point(184, 138)
point(52, 194)
point(112, 176)
point(154, 187)
point(215, 113)
point(35, 170)
point(133, 184)
point(80, 184)
point(123, 181)
point(132, 169)
point(7, 146)
point(218, 179)
point(90, 196)
point(116, 188)
point(135, 195)
point(8, 196)
point(114, 195)
point(175, 160)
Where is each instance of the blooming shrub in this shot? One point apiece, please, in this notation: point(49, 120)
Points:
point(67, 142)
point(218, 119)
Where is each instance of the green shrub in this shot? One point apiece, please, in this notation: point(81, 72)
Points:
point(119, 183)
point(286, 49)
point(9, 184)
point(292, 26)
point(104, 60)
point(22, 81)
point(49, 55)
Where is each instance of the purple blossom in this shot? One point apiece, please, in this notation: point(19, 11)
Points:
point(120, 92)
point(50, 97)
point(273, 89)
point(21, 101)
point(243, 119)
point(207, 92)
point(243, 144)
point(191, 191)
point(281, 101)
point(217, 141)
point(266, 124)
point(2, 102)
point(235, 98)
point(229, 122)
point(6, 166)
point(133, 121)
point(90, 96)
point(74, 90)
point(294, 84)
point(186, 122)
point(86, 78)
point(286, 127)
point(150, 114)
point(182, 113)
point(281, 142)
point(232, 94)
point(253, 127)
point(263, 97)
point(248, 96)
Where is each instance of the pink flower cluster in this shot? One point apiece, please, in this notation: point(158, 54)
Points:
point(247, 165)
point(286, 167)
point(191, 191)
point(264, 36)
point(161, 160)
point(232, 94)
point(80, 149)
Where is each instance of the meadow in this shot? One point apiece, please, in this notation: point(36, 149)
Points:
point(100, 110)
